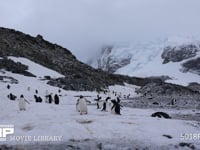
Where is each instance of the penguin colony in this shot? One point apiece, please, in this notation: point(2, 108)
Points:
point(49, 98)
point(107, 105)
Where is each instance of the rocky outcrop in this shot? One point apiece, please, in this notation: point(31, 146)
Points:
point(192, 65)
point(194, 86)
point(179, 53)
point(111, 63)
point(153, 89)
point(78, 76)
point(15, 43)
point(14, 67)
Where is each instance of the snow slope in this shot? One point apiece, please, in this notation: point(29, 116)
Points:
point(36, 69)
point(134, 126)
point(146, 60)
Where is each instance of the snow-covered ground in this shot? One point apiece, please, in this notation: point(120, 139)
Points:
point(36, 69)
point(134, 126)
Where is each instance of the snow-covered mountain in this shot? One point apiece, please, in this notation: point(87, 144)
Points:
point(175, 57)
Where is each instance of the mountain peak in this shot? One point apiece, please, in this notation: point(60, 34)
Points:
point(169, 57)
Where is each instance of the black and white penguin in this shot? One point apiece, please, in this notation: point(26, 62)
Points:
point(105, 103)
point(98, 101)
point(22, 103)
point(39, 99)
point(116, 106)
point(50, 99)
point(81, 105)
point(56, 99)
point(36, 91)
point(8, 86)
point(36, 98)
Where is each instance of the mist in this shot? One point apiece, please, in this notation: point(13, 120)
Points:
point(84, 26)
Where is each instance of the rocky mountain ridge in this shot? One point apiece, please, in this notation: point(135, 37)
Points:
point(78, 76)
point(172, 58)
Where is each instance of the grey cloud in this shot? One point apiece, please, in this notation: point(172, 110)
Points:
point(84, 25)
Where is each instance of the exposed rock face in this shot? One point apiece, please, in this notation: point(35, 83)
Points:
point(165, 89)
point(78, 76)
point(179, 53)
point(13, 67)
point(194, 86)
point(192, 66)
point(16, 43)
point(111, 63)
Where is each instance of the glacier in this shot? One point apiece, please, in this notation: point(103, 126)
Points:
point(145, 59)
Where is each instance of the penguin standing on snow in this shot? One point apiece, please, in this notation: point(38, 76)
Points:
point(98, 101)
point(50, 98)
point(116, 106)
point(81, 105)
point(22, 103)
point(36, 98)
point(105, 104)
point(36, 91)
point(56, 99)
point(8, 86)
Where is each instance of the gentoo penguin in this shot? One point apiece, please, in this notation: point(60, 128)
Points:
point(98, 101)
point(81, 105)
point(105, 104)
point(22, 103)
point(116, 106)
point(36, 98)
point(50, 98)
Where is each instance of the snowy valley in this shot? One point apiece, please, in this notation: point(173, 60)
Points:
point(134, 129)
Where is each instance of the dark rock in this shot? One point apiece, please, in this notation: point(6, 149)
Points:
point(194, 86)
point(161, 115)
point(165, 89)
point(179, 53)
point(8, 80)
point(155, 103)
point(168, 136)
point(192, 66)
point(14, 67)
point(189, 145)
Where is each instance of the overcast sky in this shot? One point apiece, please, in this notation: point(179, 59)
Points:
point(83, 25)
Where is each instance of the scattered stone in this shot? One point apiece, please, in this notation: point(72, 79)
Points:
point(161, 115)
point(189, 145)
point(168, 136)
